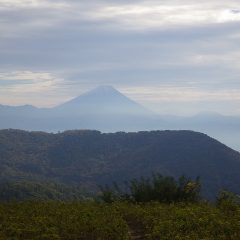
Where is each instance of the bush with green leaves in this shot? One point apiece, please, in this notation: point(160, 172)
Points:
point(181, 221)
point(159, 188)
point(228, 201)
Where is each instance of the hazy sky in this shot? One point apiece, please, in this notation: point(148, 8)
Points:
point(173, 56)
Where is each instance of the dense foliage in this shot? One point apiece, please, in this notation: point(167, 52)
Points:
point(159, 188)
point(55, 221)
point(182, 221)
point(91, 221)
point(90, 158)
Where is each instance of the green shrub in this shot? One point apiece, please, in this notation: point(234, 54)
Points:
point(228, 201)
point(156, 188)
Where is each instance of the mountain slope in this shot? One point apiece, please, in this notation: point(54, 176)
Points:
point(104, 100)
point(224, 128)
point(102, 108)
point(90, 158)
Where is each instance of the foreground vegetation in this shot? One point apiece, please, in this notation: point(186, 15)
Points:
point(165, 189)
point(158, 207)
point(91, 221)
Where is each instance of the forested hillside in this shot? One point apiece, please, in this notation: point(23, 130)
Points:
point(89, 158)
point(29, 190)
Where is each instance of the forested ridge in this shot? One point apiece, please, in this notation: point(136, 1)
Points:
point(87, 159)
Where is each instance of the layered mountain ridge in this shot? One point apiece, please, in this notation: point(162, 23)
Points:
point(106, 109)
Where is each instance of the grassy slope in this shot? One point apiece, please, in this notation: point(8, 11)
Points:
point(70, 221)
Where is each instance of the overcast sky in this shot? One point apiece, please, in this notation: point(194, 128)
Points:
point(173, 56)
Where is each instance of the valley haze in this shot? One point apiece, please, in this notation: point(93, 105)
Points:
point(106, 109)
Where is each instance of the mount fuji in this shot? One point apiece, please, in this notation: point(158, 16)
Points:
point(103, 108)
point(103, 100)
point(108, 110)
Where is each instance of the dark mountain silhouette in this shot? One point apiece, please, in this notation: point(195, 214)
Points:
point(90, 158)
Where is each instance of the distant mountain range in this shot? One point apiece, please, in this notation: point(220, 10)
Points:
point(90, 158)
point(106, 109)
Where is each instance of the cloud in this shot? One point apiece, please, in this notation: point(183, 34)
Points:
point(27, 87)
point(158, 15)
point(55, 50)
point(17, 4)
point(112, 15)
point(183, 100)
point(181, 94)
point(27, 81)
